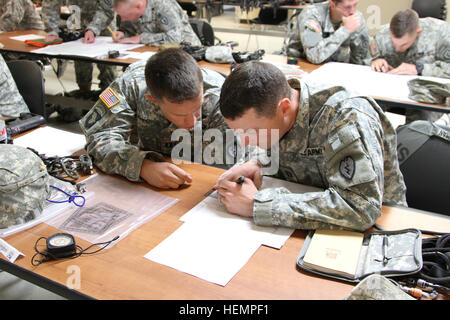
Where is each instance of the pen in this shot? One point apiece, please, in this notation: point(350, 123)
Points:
point(240, 180)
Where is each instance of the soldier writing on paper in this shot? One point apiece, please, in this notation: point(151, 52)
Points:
point(91, 16)
point(330, 31)
point(327, 138)
point(153, 22)
point(131, 128)
point(413, 46)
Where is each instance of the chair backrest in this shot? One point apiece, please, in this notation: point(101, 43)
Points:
point(430, 8)
point(30, 82)
point(204, 31)
point(424, 156)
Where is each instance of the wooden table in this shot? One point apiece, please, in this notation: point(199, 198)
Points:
point(122, 273)
point(20, 47)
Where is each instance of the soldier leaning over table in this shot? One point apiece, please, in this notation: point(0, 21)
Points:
point(412, 46)
point(94, 18)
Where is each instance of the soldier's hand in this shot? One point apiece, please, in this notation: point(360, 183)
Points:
point(117, 36)
point(237, 198)
point(50, 38)
point(251, 169)
point(164, 175)
point(134, 39)
point(380, 65)
point(351, 23)
point(405, 68)
point(89, 37)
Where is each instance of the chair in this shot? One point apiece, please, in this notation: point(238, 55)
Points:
point(30, 82)
point(424, 161)
point(204, 31)
point(430, 8)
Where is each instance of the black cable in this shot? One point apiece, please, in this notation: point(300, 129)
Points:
point(49, 256)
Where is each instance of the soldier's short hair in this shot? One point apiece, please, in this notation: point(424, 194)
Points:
point(173, 74)
point(253, 84)
point(116, 3)
point(404, 22)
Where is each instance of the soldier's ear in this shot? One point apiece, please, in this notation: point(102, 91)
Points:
point(150, 98)
point(419, 31)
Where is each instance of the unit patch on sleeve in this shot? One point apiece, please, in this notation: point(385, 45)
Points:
point(347, 167)
point(314, 25)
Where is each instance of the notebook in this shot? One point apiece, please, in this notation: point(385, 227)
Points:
point(334, 251)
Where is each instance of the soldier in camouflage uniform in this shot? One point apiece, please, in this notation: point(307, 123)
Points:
point(11, 102)
point(19, 15)
point(153, 22)
point(413, 46)
point(133, 132)
point(329, 139)
point(94, 16)
point(330, 31)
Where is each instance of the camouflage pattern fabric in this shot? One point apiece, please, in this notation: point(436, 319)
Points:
point(11, 102)
point(23, 185)
point(119, 138)
point(377, 287)
point(163, 21)
point(318, 40)
point(431, 48)
point(19, 15)
point(342, 144)
point(428, 91)
point(95, 16)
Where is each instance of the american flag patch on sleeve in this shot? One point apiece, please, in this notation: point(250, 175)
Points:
point(109, 97)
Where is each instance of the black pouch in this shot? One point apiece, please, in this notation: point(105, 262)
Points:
point(404, 252)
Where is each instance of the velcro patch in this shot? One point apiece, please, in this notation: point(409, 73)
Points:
point(374, 48)
point(109, 98)
point(314, 25)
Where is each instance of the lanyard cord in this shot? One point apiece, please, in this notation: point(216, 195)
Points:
point(71, 198)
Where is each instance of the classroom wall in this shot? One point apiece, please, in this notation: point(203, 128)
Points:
point(380, 12)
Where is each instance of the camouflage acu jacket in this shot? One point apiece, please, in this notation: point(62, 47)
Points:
point(95, 15)
point(317, 40)
point(119, 138)
point(431, 48)
point(11, 102)
point(163, 21)
point(19, 15)
point(342, 144)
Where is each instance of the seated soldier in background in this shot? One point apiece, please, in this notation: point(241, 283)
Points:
point(330, 31)
point(327, 139)
point(19, 15)
point(11, 102)
point(91, 16)
point(153, 22)
point(413, 46)
point(129, 130)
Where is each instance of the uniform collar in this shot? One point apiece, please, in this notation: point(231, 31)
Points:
point(296, 139)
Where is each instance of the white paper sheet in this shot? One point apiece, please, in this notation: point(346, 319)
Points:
point(52, 142)
point(30, 36)
point(98, 49)
point(213, 244)
point(195, 250)
point(364, 81)
point(210, 212)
